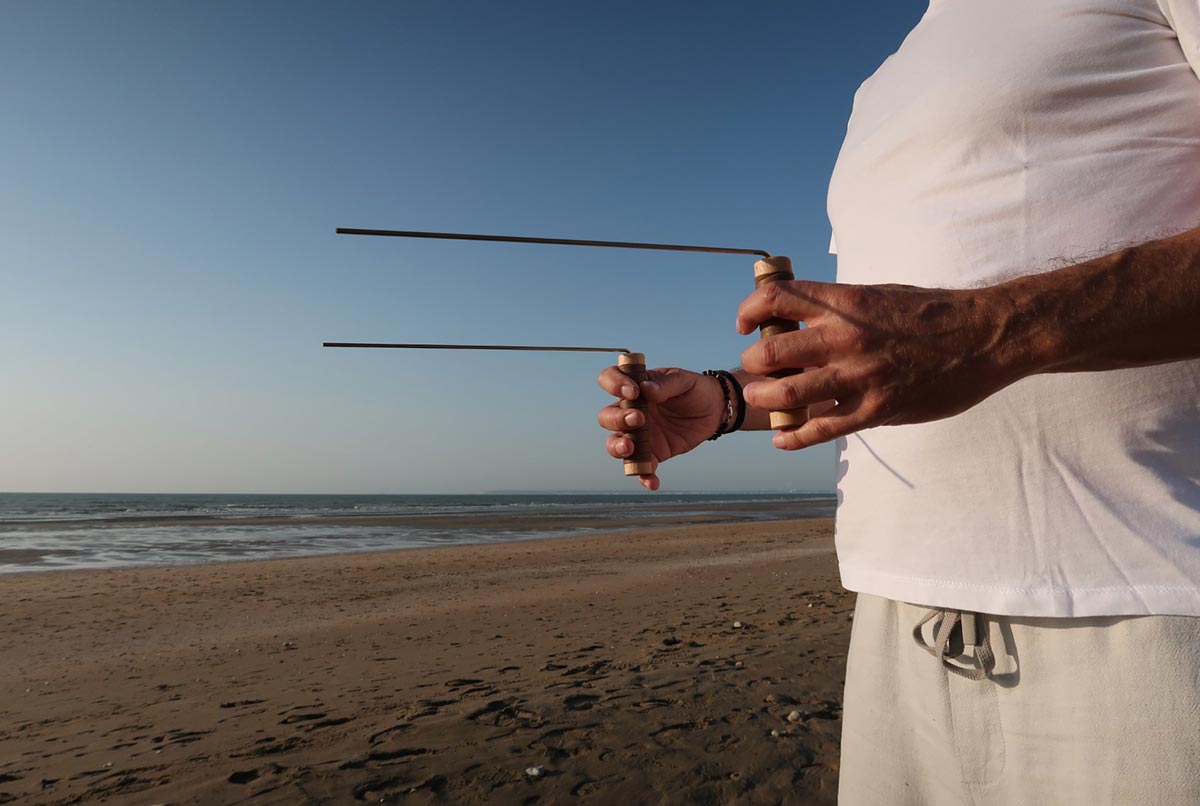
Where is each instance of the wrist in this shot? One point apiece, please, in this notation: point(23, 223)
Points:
point(733, 404)
point(756, 419)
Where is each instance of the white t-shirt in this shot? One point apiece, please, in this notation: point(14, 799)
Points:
point(1009, 137)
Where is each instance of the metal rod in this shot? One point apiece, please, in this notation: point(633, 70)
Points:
point(536, 348)
point(453, 236)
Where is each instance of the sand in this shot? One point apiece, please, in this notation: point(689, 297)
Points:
point(615, 663)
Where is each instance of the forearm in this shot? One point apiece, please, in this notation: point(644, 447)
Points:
point(897, 355)
point(1135, 307)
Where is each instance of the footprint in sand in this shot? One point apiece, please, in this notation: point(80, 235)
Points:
point(186, 736)
point(397, 786)
point(462, 682)
point(240, 703)
point(294, 718)
point(580, 702)
point(269, 746)
point(505, 713)
point(388, 733)
point(327, 723)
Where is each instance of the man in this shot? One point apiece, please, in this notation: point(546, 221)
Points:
point(1025, 535)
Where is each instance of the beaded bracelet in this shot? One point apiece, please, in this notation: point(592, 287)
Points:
point(728, 384)
point(741, 397)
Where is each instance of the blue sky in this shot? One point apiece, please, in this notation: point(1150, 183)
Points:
point(173, 174)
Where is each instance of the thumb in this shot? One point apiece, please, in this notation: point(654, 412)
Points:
point(667, 384)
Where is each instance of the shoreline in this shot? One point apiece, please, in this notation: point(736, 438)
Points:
point(485, 519)
point(436, 674)
point(172, 541)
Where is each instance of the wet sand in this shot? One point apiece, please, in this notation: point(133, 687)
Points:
point(641, 667)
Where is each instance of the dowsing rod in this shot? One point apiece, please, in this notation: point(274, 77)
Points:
point(640, 461)
point(454, 236)
point(477, 347)
point(771, 269)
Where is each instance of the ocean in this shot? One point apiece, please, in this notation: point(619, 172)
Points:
point(68, 531)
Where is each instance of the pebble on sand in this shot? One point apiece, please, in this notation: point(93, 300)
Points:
point(535, 772)
point(795, 716)
point(737, 625)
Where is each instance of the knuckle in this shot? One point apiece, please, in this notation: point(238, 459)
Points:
point(855, 339)
point(792, 396)
point(826, 388)
point(822, 430)
point(860, 297)
point(770, 351)
point(820, 339)
point(773, 294)
point(881, 409)
point(756, 360)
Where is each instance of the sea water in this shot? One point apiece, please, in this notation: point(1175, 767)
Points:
point(62, 531)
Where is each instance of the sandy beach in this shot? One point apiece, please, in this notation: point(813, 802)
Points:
point(656, 666)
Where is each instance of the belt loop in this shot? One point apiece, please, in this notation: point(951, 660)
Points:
point(969, 624)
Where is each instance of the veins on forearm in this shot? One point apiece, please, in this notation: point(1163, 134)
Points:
point(1135, 307)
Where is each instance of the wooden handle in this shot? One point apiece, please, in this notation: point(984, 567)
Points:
point(778, 269)
point(640, 461)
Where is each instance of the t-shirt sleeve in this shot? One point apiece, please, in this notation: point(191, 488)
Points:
point(1184, 18)
point(832, 244)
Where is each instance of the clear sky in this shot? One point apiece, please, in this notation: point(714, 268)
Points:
point(173, 173)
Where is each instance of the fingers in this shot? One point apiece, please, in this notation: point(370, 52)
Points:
point(785, 394)
point(615, 418)
point(661, 387)
point(618, 384)
point(620, 446)
point(804, 348)
point(797, 300)
point(843, 419)
point(661, 384)
point(833, 410)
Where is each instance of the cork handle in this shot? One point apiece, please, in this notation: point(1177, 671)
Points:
point(778, 269)
point(639, 463)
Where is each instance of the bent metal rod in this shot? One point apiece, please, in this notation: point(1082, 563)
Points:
point(455, 236)
point(770, 269)
point(639, 462)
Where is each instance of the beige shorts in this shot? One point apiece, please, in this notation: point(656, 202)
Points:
point(1082, 711)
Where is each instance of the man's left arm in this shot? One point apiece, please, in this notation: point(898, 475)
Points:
point(894, 354)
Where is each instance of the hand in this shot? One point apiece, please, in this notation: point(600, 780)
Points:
point(684, 409)
point(887, 354)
